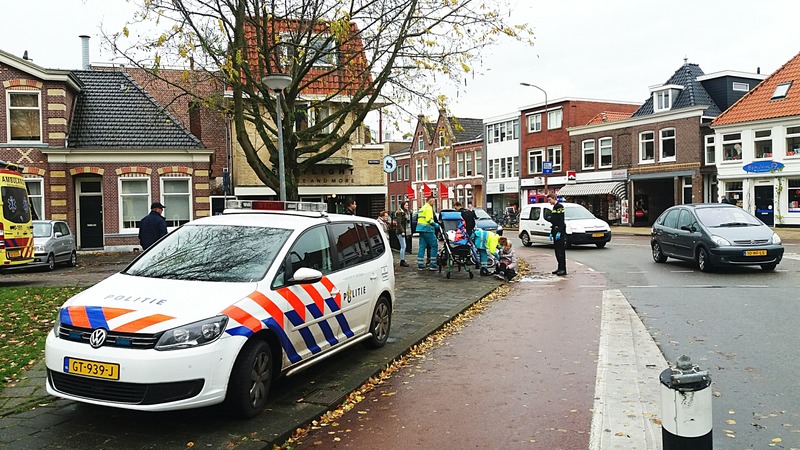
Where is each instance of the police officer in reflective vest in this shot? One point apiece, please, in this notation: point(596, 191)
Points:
point(558, 233)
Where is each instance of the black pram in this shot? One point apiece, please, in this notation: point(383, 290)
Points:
point(456, 250)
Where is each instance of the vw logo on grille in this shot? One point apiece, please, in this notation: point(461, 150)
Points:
point(98, 337)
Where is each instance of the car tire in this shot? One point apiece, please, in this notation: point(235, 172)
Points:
point(600, 244)
point(73, 259)
point(249, 383)
point(703, 260)
point(658, 255)
point(51, 262)
point(379, 324)
point(769, 267)
point(526, 239)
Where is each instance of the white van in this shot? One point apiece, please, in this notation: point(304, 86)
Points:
point(582, 226)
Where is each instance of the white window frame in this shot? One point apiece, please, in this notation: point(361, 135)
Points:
point(555, 119)
point(36, 200)
point(585, 150)
point(535, 159)
point(490, 170)
point(534, 123)
point(729, 143)
point(662, 100)
point(739, 86)
point(406, 172)
point(460, 170)
point(792, 142)
point(420, 143)
point(554, 155)
point(442, 140)
point(643, 141)
point(468, 164)
point(439, 164)
point(759, 138)
point(478, 164)
point(135, 216)
point(328, 59)
point(170, 199)
point(662, 139)
point(425, 169)
point(710, 150)
point(419, 169)
point(38, 108)
point(605, 145)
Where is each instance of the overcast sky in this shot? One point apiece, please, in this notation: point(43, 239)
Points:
point(609, 50)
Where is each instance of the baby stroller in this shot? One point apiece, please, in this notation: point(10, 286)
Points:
point(456, 250)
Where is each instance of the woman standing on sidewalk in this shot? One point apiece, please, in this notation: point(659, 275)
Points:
point(400, 228)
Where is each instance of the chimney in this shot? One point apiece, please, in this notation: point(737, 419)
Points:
point(758, 70)
point(85, 51)
point(25, 56)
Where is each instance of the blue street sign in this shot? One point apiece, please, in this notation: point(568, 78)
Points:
point(763, 167)
point(547, 167)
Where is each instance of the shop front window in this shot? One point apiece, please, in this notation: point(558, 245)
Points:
point(733, 192)
point(794, 195)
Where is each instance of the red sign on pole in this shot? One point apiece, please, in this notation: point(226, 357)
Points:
point(443, 191)
point(410, 192)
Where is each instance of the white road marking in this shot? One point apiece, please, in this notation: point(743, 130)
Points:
point(627, 392)
point(682, 271)
point(634, 286)
point(638, 272)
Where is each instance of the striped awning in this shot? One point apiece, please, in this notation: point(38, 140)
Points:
point(616, 188)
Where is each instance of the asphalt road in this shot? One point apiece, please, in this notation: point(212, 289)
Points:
point(740, 323)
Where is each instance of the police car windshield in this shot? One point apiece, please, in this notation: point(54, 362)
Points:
point(221, 253)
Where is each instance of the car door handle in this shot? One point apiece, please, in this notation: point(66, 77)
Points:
point(373, 276)
point(335, 291)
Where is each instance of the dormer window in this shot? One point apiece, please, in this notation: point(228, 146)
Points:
point(24, 116)
point(441, 139)
point(664, 97)
point(781, 90)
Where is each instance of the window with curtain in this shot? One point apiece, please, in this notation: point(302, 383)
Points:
point(177, 198)
point(24, 116)
point(36, 196)
point(134, 201)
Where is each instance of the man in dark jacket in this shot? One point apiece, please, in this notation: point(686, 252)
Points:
point(467, 216)
point(350, 207)
point(153, 226)
point(558, 233)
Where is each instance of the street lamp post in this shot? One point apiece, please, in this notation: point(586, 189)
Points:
point(544, 128)
point(278, 82)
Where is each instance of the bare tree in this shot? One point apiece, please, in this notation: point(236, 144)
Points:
point(345, 57)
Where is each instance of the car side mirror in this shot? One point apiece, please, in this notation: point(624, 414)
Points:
point(689, 228)
point(304, 275)
point(58, 234)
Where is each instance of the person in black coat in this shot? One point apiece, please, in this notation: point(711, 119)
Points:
point(153, 226)
point(350, 207)
point(558, 233)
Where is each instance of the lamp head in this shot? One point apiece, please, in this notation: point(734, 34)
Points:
point(277, 81)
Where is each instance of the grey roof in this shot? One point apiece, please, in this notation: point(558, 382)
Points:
point(465, 130)
point(113, 111)
point(693, 94)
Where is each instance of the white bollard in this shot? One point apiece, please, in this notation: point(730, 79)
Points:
point(686, 407)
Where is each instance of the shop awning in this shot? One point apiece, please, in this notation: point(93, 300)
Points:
point(616, 188)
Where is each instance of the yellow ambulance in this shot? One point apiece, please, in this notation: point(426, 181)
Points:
point(16, 228)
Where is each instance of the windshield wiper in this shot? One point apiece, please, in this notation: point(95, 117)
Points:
point(735, 224)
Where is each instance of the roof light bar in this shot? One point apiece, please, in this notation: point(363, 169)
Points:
point(277, 205)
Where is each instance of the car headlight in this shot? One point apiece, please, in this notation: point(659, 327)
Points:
point(721, 241)
point(38, 248)
point(192, 335)
point(776, 239)
point(57, 324)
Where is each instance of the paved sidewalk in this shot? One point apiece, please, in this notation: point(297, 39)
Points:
point(558, 354)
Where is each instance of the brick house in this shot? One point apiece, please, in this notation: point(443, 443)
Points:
point(355, 170)
point(629, 171)
point(448, 155)
point(98, 150)
point(545, 126)
point(756, 147)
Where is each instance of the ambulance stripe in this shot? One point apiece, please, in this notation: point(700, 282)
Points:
point(144, 322)
point(330, 287)
point(244, 318)
point(271, 308)
point(295, 301)
point(288, 348)
point(315, 296)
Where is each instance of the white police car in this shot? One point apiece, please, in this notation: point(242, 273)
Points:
point(221, 306)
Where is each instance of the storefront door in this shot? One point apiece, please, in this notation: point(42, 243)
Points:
point(764, 204)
